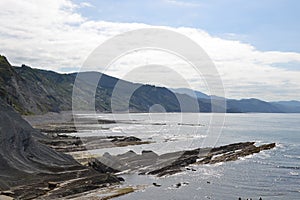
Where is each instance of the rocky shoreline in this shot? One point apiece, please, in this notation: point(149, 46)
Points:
point(66, 143)
point(93, 175)
point(148, 162)
point(31, 170)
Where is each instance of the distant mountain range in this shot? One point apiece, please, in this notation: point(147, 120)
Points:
point(190, 92)
point(35, 91)
point(247, 105)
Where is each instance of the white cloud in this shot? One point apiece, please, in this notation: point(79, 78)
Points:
point(86, 4)
point(51, 34)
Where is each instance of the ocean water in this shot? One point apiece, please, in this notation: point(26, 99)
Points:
point(273, 174)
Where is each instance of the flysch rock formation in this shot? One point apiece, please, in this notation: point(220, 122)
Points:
point(30, 169)
point(148, 162)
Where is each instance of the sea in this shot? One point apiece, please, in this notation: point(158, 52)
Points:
point(269, 175)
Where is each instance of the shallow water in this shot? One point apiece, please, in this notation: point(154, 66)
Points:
point(273, 174)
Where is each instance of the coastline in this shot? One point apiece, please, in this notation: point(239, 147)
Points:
point(94, 167)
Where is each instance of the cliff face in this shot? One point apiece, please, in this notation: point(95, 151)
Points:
point(35, 91)
point(28, 91)
point(22, 157)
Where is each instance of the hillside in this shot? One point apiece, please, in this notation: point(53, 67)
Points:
point(251, 105)
point(31, 91)
point(31, 170)
point(22, 158)
point(190, 92)
point(35, 91)
point(288, 106)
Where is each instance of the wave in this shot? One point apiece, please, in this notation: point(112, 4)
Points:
point(117, 130)
point(292, 156)
point(294, 173)
point(263, 163)
point(288, 167)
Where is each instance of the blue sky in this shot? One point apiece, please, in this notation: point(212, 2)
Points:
point(266, 24)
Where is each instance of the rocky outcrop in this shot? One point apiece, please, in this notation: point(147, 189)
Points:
point(100, 167)
point(167, 164)
point(28, 168)
point(58, 137)
point(235, 152)
point(21, 155)
point(126, 139)
point(66, 143)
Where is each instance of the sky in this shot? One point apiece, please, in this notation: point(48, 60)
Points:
point(255, 45)
point(266, 24)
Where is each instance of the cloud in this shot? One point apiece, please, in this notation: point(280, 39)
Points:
point(86, 4)
point(182, 3)
point(57, 37)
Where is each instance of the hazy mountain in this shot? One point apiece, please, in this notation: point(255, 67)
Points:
point(288, 106)
point(245, 105)
point(190, 92)
point(33, 91)
point(251, 105)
